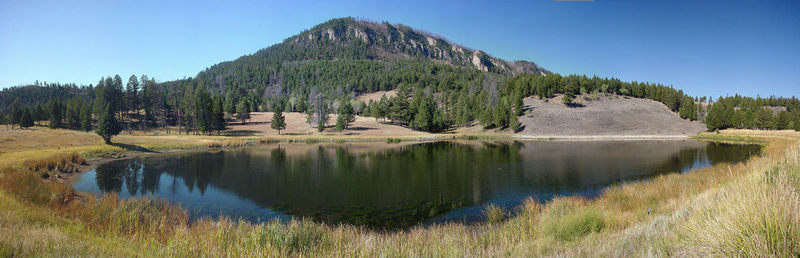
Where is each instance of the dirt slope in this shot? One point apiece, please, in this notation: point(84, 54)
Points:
point(608, 115)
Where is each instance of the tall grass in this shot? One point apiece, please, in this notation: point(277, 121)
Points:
point(494, 214)
point(64, 163)
point(759, 215)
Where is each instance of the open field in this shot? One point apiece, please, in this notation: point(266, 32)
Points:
point(747, 209)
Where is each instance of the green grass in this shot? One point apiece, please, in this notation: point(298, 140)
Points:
point(571, 224)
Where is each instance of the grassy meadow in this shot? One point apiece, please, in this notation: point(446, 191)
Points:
point(747, 209)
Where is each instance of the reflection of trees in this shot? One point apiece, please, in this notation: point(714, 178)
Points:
point(402, 186)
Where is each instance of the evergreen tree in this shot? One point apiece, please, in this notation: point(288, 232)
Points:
point(204, 110)
point(99, 98)
point(55, 109)
point(423, 119)
point(25, 119)
point(321, 125)
point(486, 118)
point(73, 114)
point(763, 118)
point(399, 107)
point(243, 110)
point(518, 104)
point(514, 122)
point(117, 95)
point(346, 112)
point(219, 114)
point(340, 123)
point(500, 115)
point(278, 121)
point(15, 113)
point(717, 117)
point(132, 92)
point(107, 125)
point(86, 117)
point(567, 99)
point(383, 107)
point(38, 113)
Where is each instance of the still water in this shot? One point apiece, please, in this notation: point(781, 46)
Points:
point(395, 186)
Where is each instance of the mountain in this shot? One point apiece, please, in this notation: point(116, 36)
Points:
point(385, 41)
point(349, 39)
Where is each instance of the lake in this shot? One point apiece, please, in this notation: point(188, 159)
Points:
point(396, 186)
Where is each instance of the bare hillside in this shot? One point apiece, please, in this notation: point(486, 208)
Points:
point(607, 115)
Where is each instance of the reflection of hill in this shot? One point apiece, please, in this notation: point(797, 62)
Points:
point(399, 186)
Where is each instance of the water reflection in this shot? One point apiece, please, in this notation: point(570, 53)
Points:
point(395, 186)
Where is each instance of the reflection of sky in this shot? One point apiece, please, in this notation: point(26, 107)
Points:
point(212, 203)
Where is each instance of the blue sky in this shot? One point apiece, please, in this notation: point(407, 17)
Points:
point(705, 48)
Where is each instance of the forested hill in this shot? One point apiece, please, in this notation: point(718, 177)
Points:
point(347, 39)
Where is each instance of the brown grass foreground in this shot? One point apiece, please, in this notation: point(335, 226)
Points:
point(747, 209)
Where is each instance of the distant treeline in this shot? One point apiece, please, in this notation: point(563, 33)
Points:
point(431, 97)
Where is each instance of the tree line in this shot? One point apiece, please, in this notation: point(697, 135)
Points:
point(754, 113)
point(428, 99)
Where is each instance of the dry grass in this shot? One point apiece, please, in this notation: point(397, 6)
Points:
point(748, 209)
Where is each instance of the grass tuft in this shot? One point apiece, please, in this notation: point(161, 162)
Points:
point(494, 214)
point(567, 221)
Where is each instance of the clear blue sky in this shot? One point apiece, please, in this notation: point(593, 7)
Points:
point(705, 48)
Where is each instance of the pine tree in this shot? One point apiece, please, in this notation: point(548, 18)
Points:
point(399, 107)
point(763, 118)
point(243, 110)
point(86, 118)
point(346, 112)
point(132, 92)
point(518, 104)
point(107, 125)
point(25, 119)
point(340, 123)
point(203, 110)
point(718, 116)
point(16, 113)
point(55, 108)
point(278, 121)
point(514, 122)
point(567, 100)
point(423, 119)
point(219, 114)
